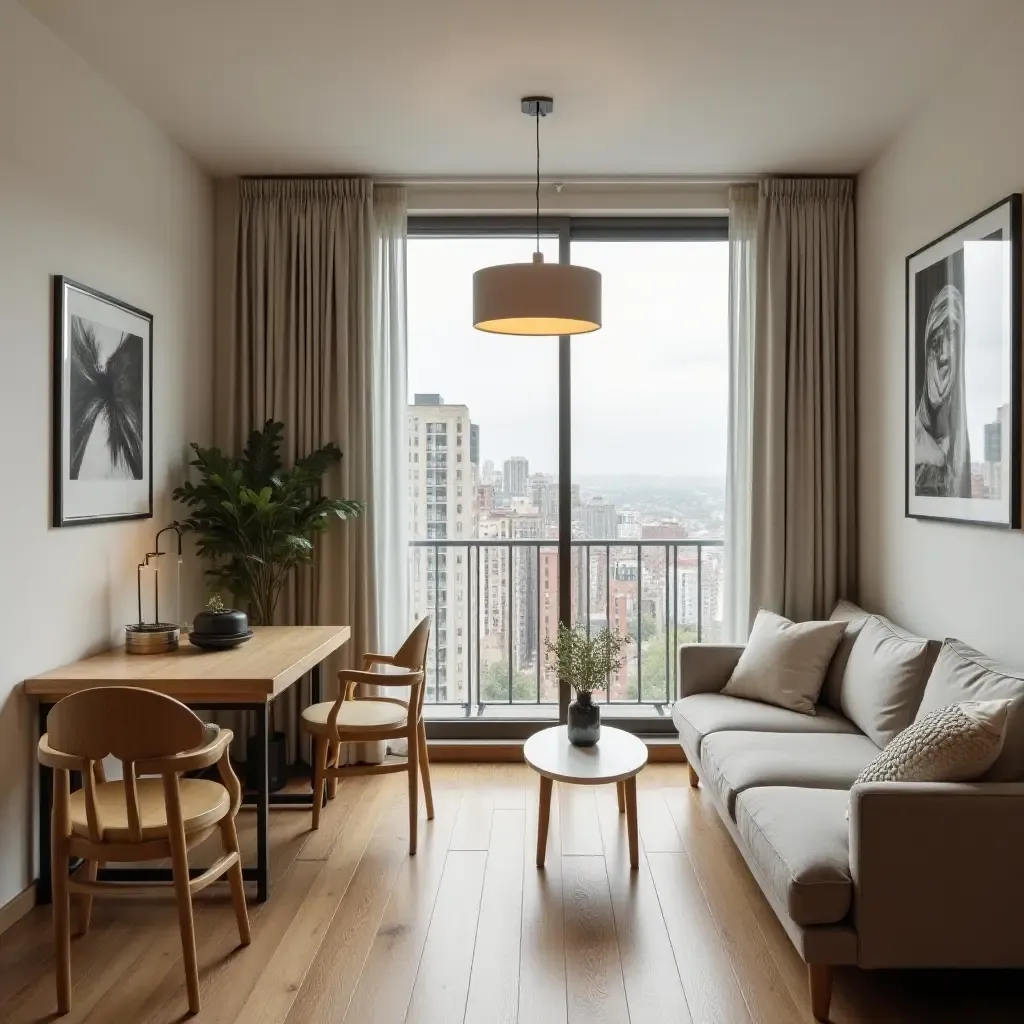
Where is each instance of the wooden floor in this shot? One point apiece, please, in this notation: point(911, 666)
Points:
point(469, 930)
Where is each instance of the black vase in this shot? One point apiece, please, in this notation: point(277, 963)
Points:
point(584, 721)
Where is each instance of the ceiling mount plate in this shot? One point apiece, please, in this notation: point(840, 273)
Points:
point(537, 106)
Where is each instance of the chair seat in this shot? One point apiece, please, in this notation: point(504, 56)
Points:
point(355, 715)
point(203, 803)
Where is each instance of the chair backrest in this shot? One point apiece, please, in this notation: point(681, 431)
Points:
point(130, 724)
point(412, 654)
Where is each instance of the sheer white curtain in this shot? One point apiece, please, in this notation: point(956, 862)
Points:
point(742, 292)
point(390, 400)
point(389, 416)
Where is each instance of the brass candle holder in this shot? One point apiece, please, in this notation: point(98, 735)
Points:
point(155, 637)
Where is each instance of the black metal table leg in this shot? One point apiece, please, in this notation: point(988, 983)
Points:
point(262, 806)
point(45, 810)
point(316, 695)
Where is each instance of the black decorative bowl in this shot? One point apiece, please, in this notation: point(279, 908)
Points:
point(215, 642)
point(229, 622)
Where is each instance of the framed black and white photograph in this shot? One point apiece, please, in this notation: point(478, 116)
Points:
point(102, 407)
point(963, 372)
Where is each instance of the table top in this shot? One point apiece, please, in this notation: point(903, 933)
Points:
point(256, 671)
point(617, 755)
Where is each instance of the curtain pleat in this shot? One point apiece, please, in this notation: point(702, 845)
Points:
point(301, 349)
point(798, 452)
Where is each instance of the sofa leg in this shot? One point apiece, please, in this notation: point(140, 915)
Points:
point(694, 777)
point(820, 978)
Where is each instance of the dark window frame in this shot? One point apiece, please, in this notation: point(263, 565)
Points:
point(712, 227)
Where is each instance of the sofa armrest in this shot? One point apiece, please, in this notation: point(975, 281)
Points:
point(705, 668)
point(938, 874)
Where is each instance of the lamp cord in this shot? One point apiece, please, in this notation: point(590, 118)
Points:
point(537, 115)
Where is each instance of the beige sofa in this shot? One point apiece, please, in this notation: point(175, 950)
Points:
point(918, 874)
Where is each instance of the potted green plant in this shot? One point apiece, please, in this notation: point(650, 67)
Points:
point(585, 663)
point(255, 520)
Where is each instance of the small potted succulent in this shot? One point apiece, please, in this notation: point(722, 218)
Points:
point(585, 663)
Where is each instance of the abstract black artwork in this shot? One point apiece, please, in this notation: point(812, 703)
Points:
point(102, 443)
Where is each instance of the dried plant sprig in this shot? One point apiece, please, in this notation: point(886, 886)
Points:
point(585, 662)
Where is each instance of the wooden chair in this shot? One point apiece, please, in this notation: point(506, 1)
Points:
point(356, 719)
point(137, 818)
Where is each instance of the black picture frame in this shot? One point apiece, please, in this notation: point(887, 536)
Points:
point(85, 324)
point(934, 274)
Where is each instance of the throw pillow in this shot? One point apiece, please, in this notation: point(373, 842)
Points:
point(854, 616)
point(784, 662)
point(958, 743)
point(884, 679)
point(962, 673)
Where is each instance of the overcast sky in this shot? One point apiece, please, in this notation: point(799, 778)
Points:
point(650, 389)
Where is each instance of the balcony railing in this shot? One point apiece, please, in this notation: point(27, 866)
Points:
point(495, 601)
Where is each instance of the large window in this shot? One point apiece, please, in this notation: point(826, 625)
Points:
point(489, 438)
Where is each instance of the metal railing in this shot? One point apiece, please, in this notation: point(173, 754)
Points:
point(495, 600)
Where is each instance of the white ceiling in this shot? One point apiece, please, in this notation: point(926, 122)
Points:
point(431, 87)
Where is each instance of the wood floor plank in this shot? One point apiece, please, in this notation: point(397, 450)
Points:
point(510, 786)
point(712, 993)
point(580, 830)
point(442, 981)
point(227, 972)
point(98, 961)
point(473, 824)
point(494, 979)
point(542, 946)
point(594, 985)
point(333, 819)
point(389, 972)
point(657, 830)
point(334, 972)
point(763, 985)
point(654, 990)
point(274, 993)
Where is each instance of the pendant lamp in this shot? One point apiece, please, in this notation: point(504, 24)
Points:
point(537, 298)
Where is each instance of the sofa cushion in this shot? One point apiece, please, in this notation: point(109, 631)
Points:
point(884, 679)
point(784, 662)
point(853, 615)
point(734, 762)
point(799, 839)
point(701, 714)
point(963, 674)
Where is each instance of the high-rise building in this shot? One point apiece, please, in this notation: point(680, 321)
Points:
point(515, 476)
point(600, 520)
point(442, 506)
point(629, 527)
point(544, 498)
point(508, 589)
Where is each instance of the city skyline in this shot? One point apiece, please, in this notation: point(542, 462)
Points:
point(494, 594)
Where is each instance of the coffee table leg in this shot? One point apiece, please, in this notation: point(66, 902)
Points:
point(634, 844)
point(620, 793)
point(542, 819)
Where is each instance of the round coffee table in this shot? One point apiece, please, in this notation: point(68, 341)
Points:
point(617, 757)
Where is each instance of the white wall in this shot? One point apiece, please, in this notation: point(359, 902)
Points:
point(91, 189)
point(962, 152)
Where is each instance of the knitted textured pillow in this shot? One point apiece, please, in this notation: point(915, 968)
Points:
point(952, 744)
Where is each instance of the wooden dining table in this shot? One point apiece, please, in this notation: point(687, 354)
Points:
point(247, 678)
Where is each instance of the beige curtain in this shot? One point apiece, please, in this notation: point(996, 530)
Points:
point(803, 531)
point(296, 344)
